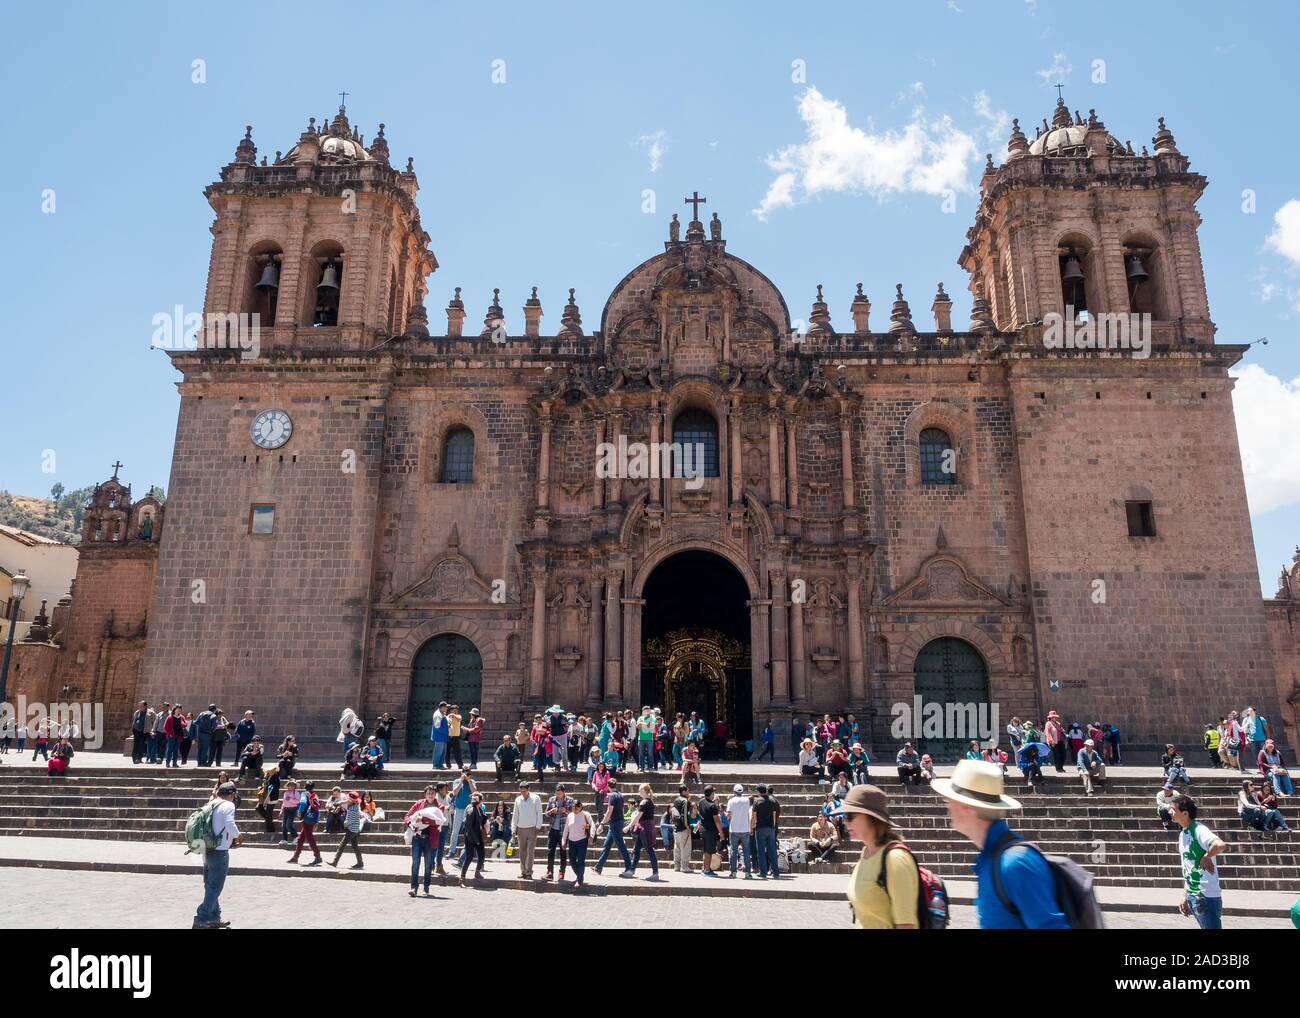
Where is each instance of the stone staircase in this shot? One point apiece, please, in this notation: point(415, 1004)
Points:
point(1114, 834)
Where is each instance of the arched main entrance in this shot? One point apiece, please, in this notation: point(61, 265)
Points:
point(448, 667)
point(950, 672)
point(695, 653)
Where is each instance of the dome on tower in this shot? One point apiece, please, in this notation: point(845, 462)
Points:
point(1065, 135)
point(339, 142)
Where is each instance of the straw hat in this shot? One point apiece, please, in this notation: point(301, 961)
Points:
point(976, 783)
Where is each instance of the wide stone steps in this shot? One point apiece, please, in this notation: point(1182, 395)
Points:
point(1113, 834)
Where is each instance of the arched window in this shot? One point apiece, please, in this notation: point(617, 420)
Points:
point(1075, 267)
point(1142, 261)
point(325, 269)
point(458, 457)
point(938, 458)
point(698, 429)
point(263, 290)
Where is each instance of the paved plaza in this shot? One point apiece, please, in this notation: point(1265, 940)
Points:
point(40, 898)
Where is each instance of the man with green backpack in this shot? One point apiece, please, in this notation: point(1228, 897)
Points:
point(212, 831)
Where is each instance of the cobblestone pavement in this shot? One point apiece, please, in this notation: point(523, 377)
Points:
point(87, 900)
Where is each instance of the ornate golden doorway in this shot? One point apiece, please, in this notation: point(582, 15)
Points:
point(696, 671)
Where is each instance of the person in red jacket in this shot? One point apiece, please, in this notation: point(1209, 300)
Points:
point(473, 736)
point(174, 729)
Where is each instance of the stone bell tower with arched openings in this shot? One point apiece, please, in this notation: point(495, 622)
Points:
point(324, 243)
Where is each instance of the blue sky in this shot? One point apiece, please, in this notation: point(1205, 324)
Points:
point(539, 180)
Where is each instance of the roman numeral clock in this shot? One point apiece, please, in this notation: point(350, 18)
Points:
point(271, 429)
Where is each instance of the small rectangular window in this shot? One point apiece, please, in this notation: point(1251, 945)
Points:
point(261, 519)
point(1141, 519)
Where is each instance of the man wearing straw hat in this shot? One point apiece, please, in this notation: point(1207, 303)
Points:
point(976, 807)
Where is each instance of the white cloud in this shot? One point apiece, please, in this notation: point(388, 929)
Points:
point(1285, 238)
point(656, 144)
point(952, 6)
point(1268, 409)
point(1058, 72)
point(929, 157)
point(998, 120)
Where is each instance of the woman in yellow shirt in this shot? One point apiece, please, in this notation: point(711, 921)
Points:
point(893, 905)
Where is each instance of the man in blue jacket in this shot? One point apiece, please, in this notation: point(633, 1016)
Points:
point(976, 807)
point(244, 732)
point(203, 726)
point(439, 736)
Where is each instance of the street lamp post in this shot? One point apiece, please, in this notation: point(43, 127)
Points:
point(20, 584)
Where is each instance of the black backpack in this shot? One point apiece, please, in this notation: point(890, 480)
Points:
point(1075, 894)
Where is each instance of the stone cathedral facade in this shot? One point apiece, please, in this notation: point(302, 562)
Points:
point(366, 514)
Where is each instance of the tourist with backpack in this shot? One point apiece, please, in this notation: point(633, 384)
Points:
point(352, 827)
point(1017, 885)
point(1198, 846)
point(886, 887)
point(219, 836)
point(309, 814)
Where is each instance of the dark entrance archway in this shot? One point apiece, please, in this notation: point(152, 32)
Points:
point(448, 667)
point(950, 672)
point(695, 655)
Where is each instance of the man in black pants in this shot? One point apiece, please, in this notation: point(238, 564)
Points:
point(141, 726)
point(507, 759)
point(557, 813)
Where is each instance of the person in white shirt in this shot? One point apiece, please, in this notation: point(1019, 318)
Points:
point(216, 859)
point(738, 828)
point(527, 822)
point(578, 826)
point(1198, 846)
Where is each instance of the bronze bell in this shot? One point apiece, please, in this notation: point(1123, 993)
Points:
point(329, 279)
point(1073, 271)
point(270, 277)
point(1135, 271)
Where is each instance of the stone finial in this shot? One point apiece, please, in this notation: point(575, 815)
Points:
point(940, 539)
point(988, 163)
point(1164, 140)
point(1095, 122)
point(981, 317)
point(860, 309)
point(1078, 119)
point(571, 319)
point(820, 317)
point(1017, 145)
point(417, 322)
point(495, 314)
point(532, 315)
point(455, 315)
point(942, 308)
point(308, 143)
point(246, 151)
point(379, 147)
point(1061, 115)
point(1128, 148)
point(900, 316)
point(410, 164)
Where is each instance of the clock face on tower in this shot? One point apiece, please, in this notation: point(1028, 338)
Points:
point(271, 429)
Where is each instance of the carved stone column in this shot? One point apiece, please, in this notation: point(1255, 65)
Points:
point(857, 675)
point(537, 648)
point(798, 662)
point(632, 647)
point(616, 482)
point(544, 460)
point(780, 646)
point(655, 480)
point(597, 482)
point(846, 456)
point(792, 462)
point(737, 467)
point(613, 640)
point(774, 453)
point(596, 641)
point(759, 658)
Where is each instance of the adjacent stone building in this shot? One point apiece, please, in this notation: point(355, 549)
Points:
point(363, 514)
point(89, 648)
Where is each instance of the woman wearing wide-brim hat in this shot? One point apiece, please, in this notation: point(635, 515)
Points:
point(891, 903)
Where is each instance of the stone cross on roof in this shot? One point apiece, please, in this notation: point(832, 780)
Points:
point(116, 467)
point(695, 201)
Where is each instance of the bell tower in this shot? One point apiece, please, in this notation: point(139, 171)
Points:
point(1077, 221)
point(323, 244)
